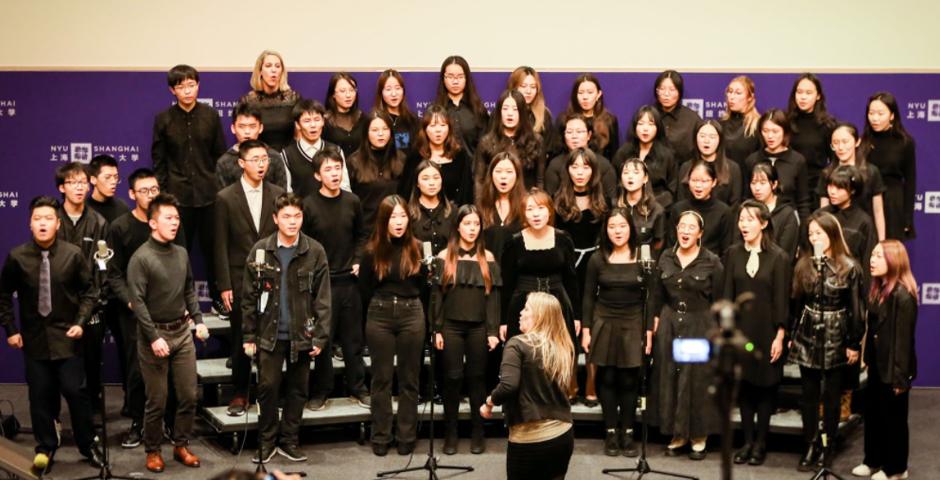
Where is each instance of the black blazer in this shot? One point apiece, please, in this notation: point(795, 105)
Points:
point(235, 231)
point(890, 346)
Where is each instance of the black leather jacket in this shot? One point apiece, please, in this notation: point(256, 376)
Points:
point(831, 319)
point(308, 281)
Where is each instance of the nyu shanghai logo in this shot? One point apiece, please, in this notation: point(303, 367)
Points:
point(930, 293)
point(931, 202)
point(706, 108)
point(83, 152)
point(9, 199)
point(7, 108)
point(924, 110)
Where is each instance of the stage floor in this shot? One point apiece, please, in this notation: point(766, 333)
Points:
point(334, 454)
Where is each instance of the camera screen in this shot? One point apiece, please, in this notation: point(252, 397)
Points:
point(691, 350)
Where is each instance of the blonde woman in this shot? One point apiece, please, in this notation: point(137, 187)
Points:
point(534, 379)
point(739, 123)
point(272, 95)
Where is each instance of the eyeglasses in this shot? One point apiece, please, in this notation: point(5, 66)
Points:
point(448, 76)
point(77, 183)
point(258, 160)
point(151, 190)
point(687, 227)
point(111, 178)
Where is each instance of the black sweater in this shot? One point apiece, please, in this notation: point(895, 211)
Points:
point(524, 390)
point(337, 224)
point(720, 228)
point(792, 178)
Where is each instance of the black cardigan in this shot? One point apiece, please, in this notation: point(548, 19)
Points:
point(524, 390)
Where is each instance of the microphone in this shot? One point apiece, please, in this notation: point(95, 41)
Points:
point(819, 255)
point(646, 259)
point(428, 252)
point(103, 255)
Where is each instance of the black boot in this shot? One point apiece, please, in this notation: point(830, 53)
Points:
point(451, 406)
point(743, 455)
point(612, 443)
point(627, 447)
point(808, 461)
point(826, 456)
point(477, 389)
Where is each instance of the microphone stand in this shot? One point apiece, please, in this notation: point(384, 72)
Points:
point(431, 464)
point(104, 473)
point(642, 464)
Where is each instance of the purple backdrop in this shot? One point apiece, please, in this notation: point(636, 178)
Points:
point(51, 117)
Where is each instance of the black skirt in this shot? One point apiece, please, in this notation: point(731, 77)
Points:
point(617, 337)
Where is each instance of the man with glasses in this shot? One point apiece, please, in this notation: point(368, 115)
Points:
point(246, 125)
point(244, 215)
point(126, 234)
point(187, 140)
point(83, 227)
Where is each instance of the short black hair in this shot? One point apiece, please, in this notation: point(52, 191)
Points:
point(288, 199)
point(846, 177)
point(307, 106)
point(162, 200)
point(42, 201)
point(98, 161)
point(180, 74)
point(326, 153)
point(247, 145)
point(67, 171)
point(244, 109)
point(140, 174)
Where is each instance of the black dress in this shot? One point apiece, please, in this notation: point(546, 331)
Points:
point(662, 167)
point(456, 176)
point(738, 145)
point(812, 140)
point(350, 139)
point(895, 158)
point(730, 192)
point(680, 403)
point(719, 224)
point(613, 310)
point(786, 226)
point(549, 270)
point(584, 232)
point(792, 179)
point(760, 318)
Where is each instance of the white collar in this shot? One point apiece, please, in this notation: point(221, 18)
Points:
point(248, 188)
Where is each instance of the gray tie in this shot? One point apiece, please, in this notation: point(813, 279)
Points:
point(45, 287)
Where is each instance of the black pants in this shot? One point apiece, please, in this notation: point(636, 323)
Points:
point(198, 222)
point(134, 394)
point(47, 380)
point(546, 460)
point(294, 381)
point(757, 400)
point(617, 390)
point(92, 338)
point(395, 332)
point(464, 356)
point(887, 438)
point(241, 363)
point(346, 322)
point(812, 380)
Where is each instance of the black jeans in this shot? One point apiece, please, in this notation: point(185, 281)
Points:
point(346, 322)
point(241, 363)
point(546, 460)
point(395, 328)
point(812, 380)
point(180, 367)
point(757, 400)
point(464, 356)
point(47, 380)
point(134, 395)
point(92, 338)
point(294, 381)
point(887, 438)
point(198, 222)
point(617, 390)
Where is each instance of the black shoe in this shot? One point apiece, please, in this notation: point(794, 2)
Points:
point(364, 400)
point(93, 454)
point(477, 441)
point(380, 449)
point(450, 443)
point(627, 447)
point(438, 399)
point(133, 437)
point(758, 456)
point(826, 456)
point(590, 402)
point(228, 363)
point(743, 455)
point(220, 310)
point(337, 353)
point(698, 455)
point(292, 453)
point(808, 461)
point(316, 404)
point(611, 443)
point(406, 448)
point(267, 453)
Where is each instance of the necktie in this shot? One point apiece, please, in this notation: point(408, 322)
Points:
point(753, 263)
point(45, 287)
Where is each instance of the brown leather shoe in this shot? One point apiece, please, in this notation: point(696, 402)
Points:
point(237, 407)
point(184, 456)
point(155, 462)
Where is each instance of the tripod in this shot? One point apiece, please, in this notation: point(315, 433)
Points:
point(431, 464)
point(642, 464)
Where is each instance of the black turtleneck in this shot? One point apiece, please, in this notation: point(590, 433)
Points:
point(738, 145)
point(719, 225)
point(813, 141)
point(894, 156)
point(392, 282)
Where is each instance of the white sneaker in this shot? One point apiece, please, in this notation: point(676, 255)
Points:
point(862, 470)
point(879, 475)
point(900, 476)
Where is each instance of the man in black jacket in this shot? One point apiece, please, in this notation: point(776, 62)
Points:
point(286, 312)
point(244, 215)
point(246, 125)
point(52, 280)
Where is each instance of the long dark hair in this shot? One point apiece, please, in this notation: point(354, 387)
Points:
point(602, 120)
point(896, 129)
point(331, 89)
point(566, 205)
point(525, 142)
point(451, 143)
point(721, 162)
point(380, 244)
point(647, 202)
point(804, 273)
point(762, 213)
point(861, 163)
point(366, 162)
point(657, 120)
point(407, 118)
point(414, 204)
point(898, 274)
point(486, 200)
point(606, 246)
point(676, 78)
point(820, 113)
point(449, 275)
point(469, 92)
